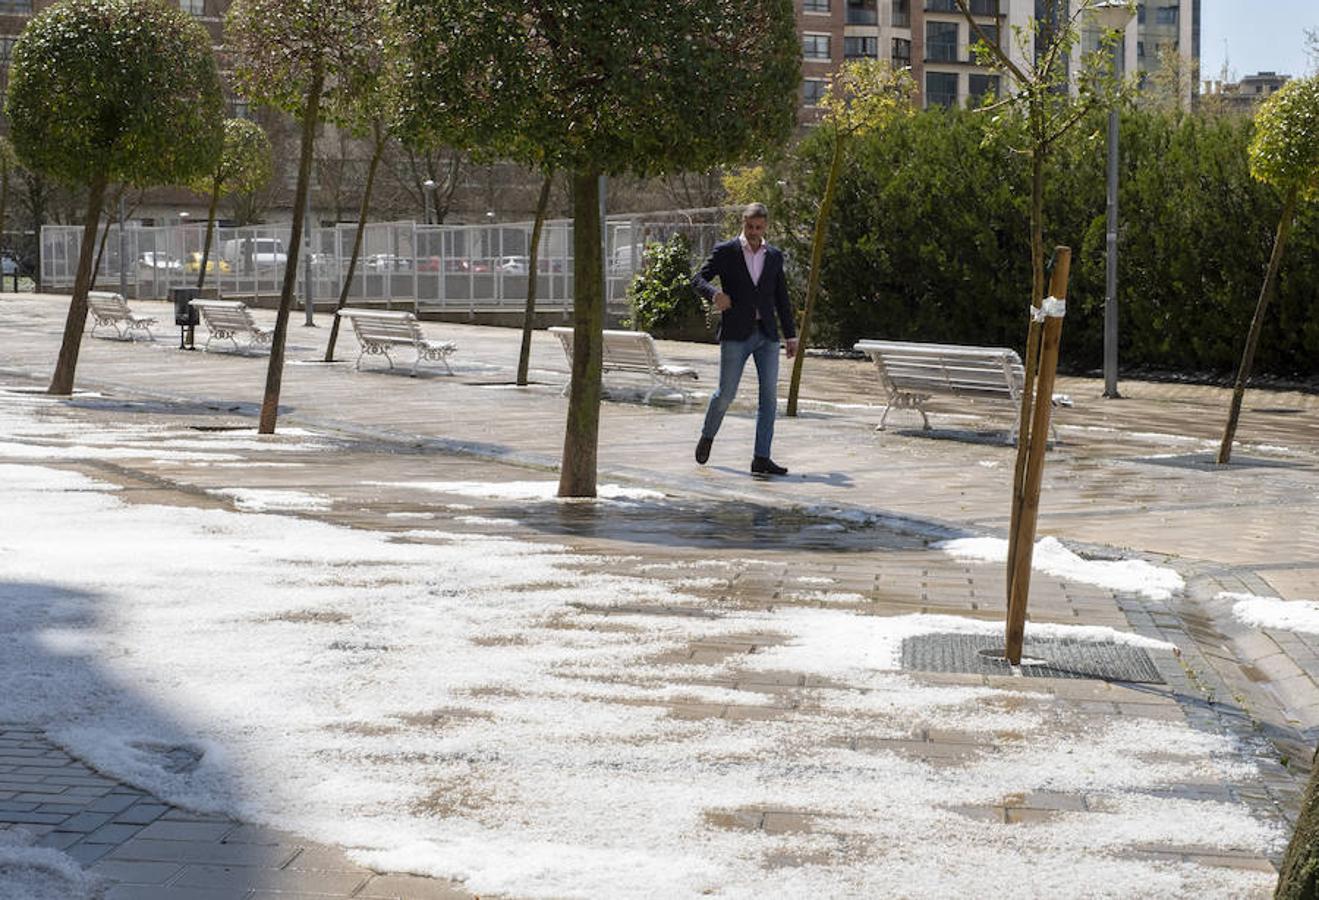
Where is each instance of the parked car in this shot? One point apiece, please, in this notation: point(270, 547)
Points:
point(154, 264)
point(512, 265)
point(249, 254)
point(428, 264)
point(213, 265)
point(8, 265)
point(388, 262)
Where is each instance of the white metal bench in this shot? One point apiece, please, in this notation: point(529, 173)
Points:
point(912, 373)
point(226, 319)
point(379, 330)
point(111, 309)
point(634, 351)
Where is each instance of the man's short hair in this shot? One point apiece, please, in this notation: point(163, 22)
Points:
point(754, 211)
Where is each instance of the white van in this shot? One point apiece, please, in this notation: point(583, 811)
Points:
point(246, 255)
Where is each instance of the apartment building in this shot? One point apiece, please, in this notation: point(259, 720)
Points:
point(933, 38)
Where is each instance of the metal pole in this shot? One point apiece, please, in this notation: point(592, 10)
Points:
point(123, 252)
point(308, 293)
point(1110, 268)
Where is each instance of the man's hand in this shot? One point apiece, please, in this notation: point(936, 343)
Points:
point(792, 347)
point(722, 301)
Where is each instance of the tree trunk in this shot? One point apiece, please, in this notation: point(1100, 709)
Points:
point(533, 276)
point(105, 232)
point(1299, 878)
point(210, 233)
point(62, 382)
point(1257, 325)
point(363, 211)
point(1031, 361)
point(275, 370)
point(581, 436)
point(813, 280)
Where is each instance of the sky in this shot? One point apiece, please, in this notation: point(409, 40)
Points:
point(1260, 35)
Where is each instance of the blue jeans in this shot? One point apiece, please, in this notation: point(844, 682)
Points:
point(732, 360)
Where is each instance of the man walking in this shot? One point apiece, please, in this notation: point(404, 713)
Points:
point(752, 299)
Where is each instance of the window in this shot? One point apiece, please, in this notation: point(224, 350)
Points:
point(1140, 49)
point(940, 88)
point(901, 53)
point(1140, 14)
point(15, 6)
point(196, 7)
point(941, 41)
point(862, 12)
point(860, 47)
point(991, 34)
point(815, 6)
point(978, 86)
point(902, 15)
point(984, 7)
point(6, 49)
point(812, 89)
point(941, 6)
point(815, 46)
point(1165, 15)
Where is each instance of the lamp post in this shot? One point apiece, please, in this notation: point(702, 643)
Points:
point(1112, 16)
point(427, 187)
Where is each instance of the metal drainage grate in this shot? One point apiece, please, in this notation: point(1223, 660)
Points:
point(1040, 658)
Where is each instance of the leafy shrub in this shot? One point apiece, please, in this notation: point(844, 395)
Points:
point(663, 301)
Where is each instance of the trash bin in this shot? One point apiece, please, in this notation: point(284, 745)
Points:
point(185, 315)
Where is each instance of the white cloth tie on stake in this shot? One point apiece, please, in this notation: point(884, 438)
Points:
point(1051, 308)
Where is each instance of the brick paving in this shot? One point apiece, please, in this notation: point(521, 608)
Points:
point(1130, 474)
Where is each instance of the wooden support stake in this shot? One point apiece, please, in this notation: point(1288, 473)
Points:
point(1022, 542)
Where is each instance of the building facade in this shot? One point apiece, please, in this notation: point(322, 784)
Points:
point(934, 40)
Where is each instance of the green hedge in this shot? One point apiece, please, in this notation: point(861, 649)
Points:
point(929, 241)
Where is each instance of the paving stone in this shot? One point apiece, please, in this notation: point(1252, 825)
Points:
point(129, 872)
point(206, 852)
point(164, 829)
point(140, 814)
point(254, 878)
point(113, 834)
point(113, 803)
point(88, 853)
point(60, 839)
point(85, 821)
point(31, 818)
point(325, 859)
point(144, 892)
point(411, 887)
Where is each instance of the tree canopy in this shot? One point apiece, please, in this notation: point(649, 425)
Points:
point(120, 90)
point(640, 87)
point(282, 48)
point(245, 162)
point(1285, 149)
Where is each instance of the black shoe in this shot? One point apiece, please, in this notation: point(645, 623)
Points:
point(703, 449)
point(763, 465)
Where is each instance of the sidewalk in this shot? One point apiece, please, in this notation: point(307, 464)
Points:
point(848, 533)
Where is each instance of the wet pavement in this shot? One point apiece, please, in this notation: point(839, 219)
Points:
point(860, 509)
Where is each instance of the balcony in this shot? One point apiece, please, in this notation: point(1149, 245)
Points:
point(862, 15)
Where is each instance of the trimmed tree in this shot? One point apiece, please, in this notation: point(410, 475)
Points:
point(1284, 153)
point(862, 96)
point(245, 165)
point(300, 56)
point(104, 91)
point(533, 278)
point(365, 113)
point(642, 87)
point(1046, 111)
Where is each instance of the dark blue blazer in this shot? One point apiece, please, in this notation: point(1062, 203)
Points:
point(770, 297)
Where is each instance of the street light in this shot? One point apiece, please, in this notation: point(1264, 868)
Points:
point(426, 187)
point(1112, 16)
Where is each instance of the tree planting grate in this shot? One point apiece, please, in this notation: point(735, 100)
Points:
point(966, 653)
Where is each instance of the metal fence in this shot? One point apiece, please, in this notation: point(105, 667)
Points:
point(426, 268)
